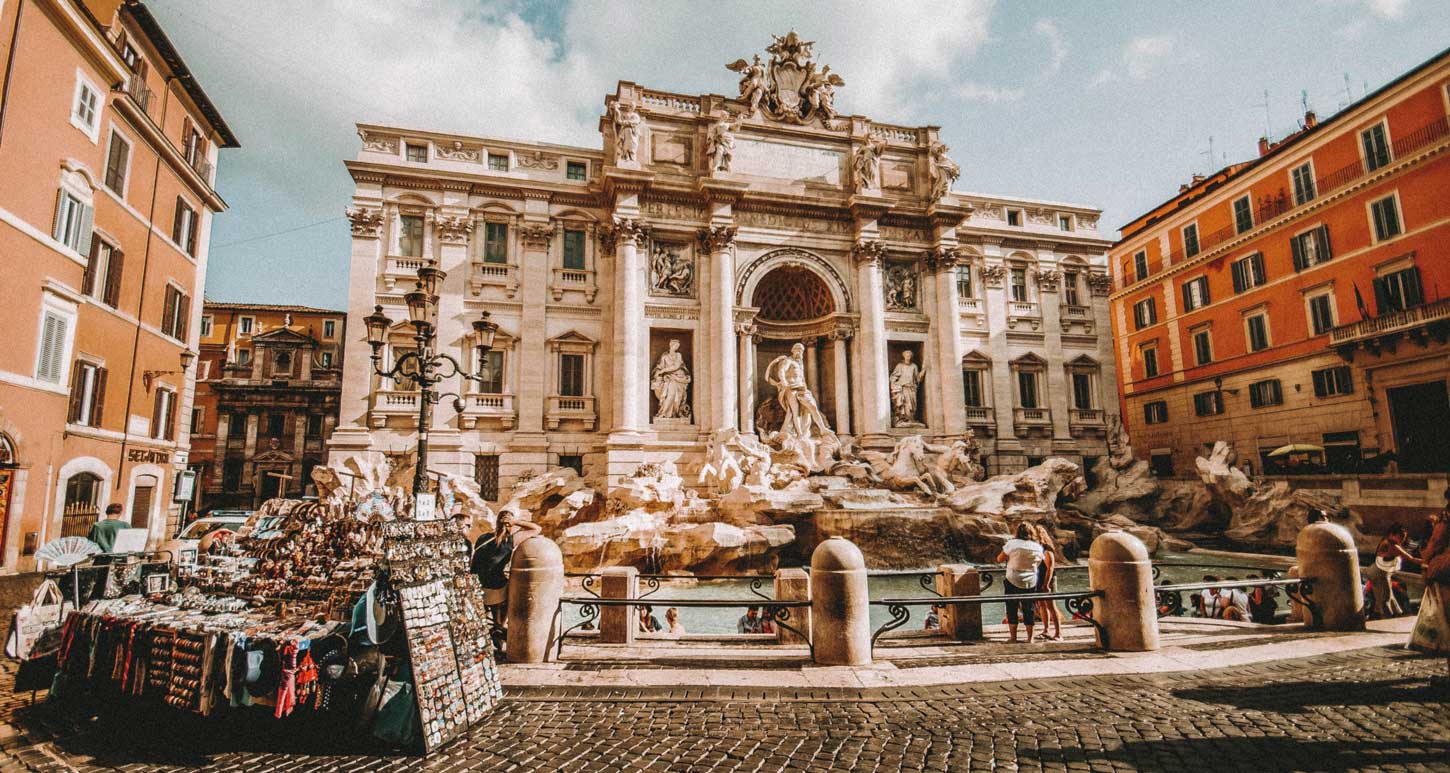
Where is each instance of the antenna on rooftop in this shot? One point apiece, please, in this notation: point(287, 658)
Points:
point(1268, 130)
point(1209, 153)
point(1348, 95)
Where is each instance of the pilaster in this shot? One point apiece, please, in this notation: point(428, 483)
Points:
point(946, 323)
point(875, 407)
point(718, 243)
point(535, 238)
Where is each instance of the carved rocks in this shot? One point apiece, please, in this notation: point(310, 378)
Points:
point(789, 87)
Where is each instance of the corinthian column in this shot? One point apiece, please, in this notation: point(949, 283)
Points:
point(631, 345)
point(875, 411)
point(746, 374)
point(942, 262)
point(842, 385)
point(719, 244)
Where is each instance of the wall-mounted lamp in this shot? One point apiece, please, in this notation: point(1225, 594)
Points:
point(187, 357)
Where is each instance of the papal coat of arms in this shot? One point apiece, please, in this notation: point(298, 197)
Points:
point(788, 87)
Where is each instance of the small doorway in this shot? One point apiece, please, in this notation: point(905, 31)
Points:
point(141, 501)
point(1420, 413)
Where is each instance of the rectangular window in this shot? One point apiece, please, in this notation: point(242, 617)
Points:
point(54, 335)
point(571, 375)
point(1145, 313)
point(1203, 347)
point(86, 108)
point(73, 223)
point(1155, 412)
point(1027, 389)
point(573, 249)
point(193, 146)
point(1140, 265)
point(495, 242)
point(1208, 403)
point(1311, 248)
point(1265, 393)
point(416, 153)
point(276, 425)
point(410, 236)
point(490, 369)
point(244, 356)
point(1243, 214)
point(198, 417)
point(1376, 147)
point(1386, 216)
point(87, 394)
point(329, 328)
point(232, 474)
point(102, 277)
point(175, 313)
point(1303, 178)
point(1150, 361)
point(1399, 291)
point(1195, 293)
point(326, 358)
point(163, 415)
point(118, 156)
point(1064, 222)
point(1321, 313)
point(1249, 272)
point(1070, 288)
point(576, 170)
point(244, 325)
point(964, 281)
point(1019, 285)
point(1014, 217)
point(1190, 240)
point(1258, 332)
point(498, 162)
point(183, 227)
point(206, 323)
point(485, 474)
point(972, 388)
point(314, 425)
point(1330, 382)
point(1082, 391)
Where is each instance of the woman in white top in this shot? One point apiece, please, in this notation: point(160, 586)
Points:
point(1022, 556)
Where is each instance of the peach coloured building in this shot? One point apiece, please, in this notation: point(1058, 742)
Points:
point(107, 152)
point(268, 381)
point(1303, 298)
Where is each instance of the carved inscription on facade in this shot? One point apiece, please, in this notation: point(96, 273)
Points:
point(798, 163)
point(672, 210)
point(792, 222)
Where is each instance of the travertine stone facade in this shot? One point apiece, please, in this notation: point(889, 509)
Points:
point(735, 233)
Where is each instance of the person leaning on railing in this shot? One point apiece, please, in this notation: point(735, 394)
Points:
point(1022, 556)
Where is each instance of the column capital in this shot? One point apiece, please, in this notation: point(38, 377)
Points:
point(536, 234)
point(841, 333)
point(454, 229)
point(942, 258)
point(748, 330)
point(624, 228)
point(1100, 283)
point(868, 251)
point(993, 274)
point(717, 238)
point(366, 222)
point(1048, 279)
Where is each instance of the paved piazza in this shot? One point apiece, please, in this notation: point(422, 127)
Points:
point(1369, 709)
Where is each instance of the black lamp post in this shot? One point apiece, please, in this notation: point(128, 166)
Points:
point(424, 367)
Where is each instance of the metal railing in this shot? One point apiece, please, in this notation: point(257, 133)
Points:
point(1392, 321)
point(777, 612)
point(1169, 598)
point(1079, 604)
point(653, 581)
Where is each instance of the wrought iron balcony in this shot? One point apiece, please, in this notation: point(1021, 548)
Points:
point(1419, 323)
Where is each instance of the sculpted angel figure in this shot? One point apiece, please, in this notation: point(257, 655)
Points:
point(944, 171)
point(867, 163)
point(752, 81)
point(626, 130)
point(670, 382)
point(720, 143)
point(819, 91)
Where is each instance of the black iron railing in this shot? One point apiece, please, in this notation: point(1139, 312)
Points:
point(1079, 604)
point(777, 612)
point(1169, 598)
point(590, 580)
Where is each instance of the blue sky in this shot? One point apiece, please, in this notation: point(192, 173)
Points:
point(1108, 105)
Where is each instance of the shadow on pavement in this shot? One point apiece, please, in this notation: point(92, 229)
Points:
point(1256, 754)
point(1298, 697)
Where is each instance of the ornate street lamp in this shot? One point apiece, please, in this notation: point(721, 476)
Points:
point(424, 366)
point(186, 357)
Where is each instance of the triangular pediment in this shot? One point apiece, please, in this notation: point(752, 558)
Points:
point(975, 357)
point(1030, 358)
point(1082, 360)
point(572, 337)
point(282, 335)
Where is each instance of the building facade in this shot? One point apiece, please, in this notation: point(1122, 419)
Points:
point(643, 287)
point(107, 152)
point(1300, 298)
point(267, 387)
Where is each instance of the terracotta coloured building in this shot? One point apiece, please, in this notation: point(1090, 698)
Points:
point(267, 388)
point(1302, 297)
point(108, 148)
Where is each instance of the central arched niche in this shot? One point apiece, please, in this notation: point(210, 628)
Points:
point(792, 294)
point(793, 302)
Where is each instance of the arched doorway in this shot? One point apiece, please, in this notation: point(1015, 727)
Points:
point(794, 304)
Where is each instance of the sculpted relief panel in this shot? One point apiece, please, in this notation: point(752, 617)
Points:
point(672, 270)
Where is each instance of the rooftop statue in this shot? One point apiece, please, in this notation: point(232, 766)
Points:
point(789, 87)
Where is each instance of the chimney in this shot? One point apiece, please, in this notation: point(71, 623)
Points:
point(1310, 119)
point(1263, 146)
point(1198, 178)
point(1183, 187)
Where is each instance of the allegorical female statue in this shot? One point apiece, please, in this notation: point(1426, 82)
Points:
point(904, 378)
point(671, 384)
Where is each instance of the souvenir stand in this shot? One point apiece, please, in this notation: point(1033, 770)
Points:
point(330, 610)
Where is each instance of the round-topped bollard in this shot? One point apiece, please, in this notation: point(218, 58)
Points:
point(536, 581)
point(1329, 560)
point(1118, 565)
point(840, 604)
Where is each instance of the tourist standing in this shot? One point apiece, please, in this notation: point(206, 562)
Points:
point(748, 622)
point(1047, 583)
point(490, 562)
point(1388, 558)
point(1262, 606)
point(1022, 554)
point(104, 532)
point(1432, 628)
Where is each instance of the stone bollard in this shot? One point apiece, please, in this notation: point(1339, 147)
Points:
point(618, 623)
point(1118, 565)
point(536, 581)
point(793, 585)
point(840, 604)
point(964, 622)
point(1328, 559)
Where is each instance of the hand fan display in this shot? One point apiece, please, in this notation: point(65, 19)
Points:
point(67, 551)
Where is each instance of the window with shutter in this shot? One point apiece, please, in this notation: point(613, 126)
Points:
point(50, 360)
point(88, 277)
point(114, 268)
point(77, 392)
point(168, 310)
point(1240, 283)
point(183, 315)
point(1386, 216)
point(99, 399)
point(116, 159)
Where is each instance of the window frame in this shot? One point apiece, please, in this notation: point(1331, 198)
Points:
point(186, 222)
point(1011, 213)
point(1013, 272)
point(1249, 315)
point(569, 167)
point(1027, 376)
point(207, 325)
point(976, 374)
point(1140, 267)
point(93, 129)
point(87, 407)
point(1312, 184)
point(163, 426)
point(1066, 222)
point(1257, 397)
point(1155, 412)
point(1254, 269)
point(1207, 332)
point(329, 329)
point(489, 161)
point(1144, 352)
point(1316, 293)
point(1190, 303)
point(1217, 403)
point(1151, 318)
point(1318, 237)
point(246, 325)
point(1197, 244)
point(1247, 200)
point(68, 315)
point(409, 147)
point(504, 241)
point(583, 388)
point(1321, 377)
point(403, 219)
point(583, 240)
point(481, 386)
point(1383, 125)
point(117, 135)
point(1394, 198)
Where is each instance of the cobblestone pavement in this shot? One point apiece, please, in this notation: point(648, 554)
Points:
point(1372, 709)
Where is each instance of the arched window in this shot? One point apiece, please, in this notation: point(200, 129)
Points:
point(7, 450)
point(82, 495)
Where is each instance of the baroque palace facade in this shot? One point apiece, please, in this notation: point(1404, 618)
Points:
point(643, 288)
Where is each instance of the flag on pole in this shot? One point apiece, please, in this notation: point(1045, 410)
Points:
point(1359, 302)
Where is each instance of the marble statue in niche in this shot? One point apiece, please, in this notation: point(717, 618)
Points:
point(905, 379)
point(626, 131)
point(670, 382)
point(804, 433)
point(901, 289)
point(671, 272)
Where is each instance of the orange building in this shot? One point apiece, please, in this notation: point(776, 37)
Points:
point(107, 153)
point(1302, 297)
point(268, 384)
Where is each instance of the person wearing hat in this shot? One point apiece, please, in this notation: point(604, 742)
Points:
point(104, 532)
point(491, 555)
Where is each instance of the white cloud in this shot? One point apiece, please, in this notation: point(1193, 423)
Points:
point(1140, 60)
point(1055, 43)
point(976, 92)
point(1388, 9)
